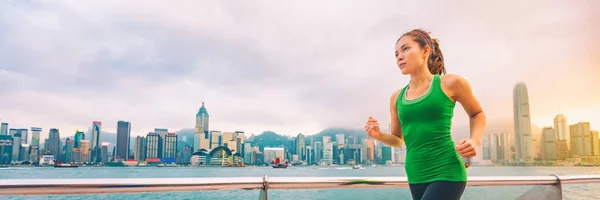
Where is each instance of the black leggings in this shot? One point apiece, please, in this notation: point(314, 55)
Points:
point(438, 190)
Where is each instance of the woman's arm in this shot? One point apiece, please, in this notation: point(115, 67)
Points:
point(395, 139)
point(461, 91)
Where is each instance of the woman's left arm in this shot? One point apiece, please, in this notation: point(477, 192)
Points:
point(461, 91)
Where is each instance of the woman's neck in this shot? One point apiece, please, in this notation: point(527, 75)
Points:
point(420, 78)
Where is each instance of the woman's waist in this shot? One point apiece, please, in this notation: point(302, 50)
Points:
point(428, 151)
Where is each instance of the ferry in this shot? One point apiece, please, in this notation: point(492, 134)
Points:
point(65, 165)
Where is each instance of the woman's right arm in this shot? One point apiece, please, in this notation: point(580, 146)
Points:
point(395, 139)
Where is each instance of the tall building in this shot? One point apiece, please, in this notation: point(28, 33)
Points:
point(523, 136)
point(53, 143)
point(6, 148)
point(123, 134)
point(215, 139)
point(202, 119)
point(317, 152)
point(201, 142)
point(386, 154)
point(69, 150)
point(162, 132)
point(35, 136)
point(104, 152)
point(485, 143)
point(248, 153)
point(563, 142)
point(4, 129)
point(76, 155)
point(549, 143)
point(140, 149)
point(561, 127)
point(595, 136)
point(301, 147)
point(24, 134)
point(34, 155)
point(96, 130)
point(85, 151)
point(582, 142)
point(79, 135)
point(499, 147)
point(370, 149)
point(13, 131)
point(185, 155)
point(170, 153)
point(24, 152)
point(227, 137)
point(240, 139)
point(328, 153)
point(16, 147)
point(153, 144)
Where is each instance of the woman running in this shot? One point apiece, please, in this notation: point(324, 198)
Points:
point(422, 114)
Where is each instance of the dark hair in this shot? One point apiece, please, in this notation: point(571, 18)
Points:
point(435, 63)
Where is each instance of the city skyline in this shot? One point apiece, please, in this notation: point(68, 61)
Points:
point(68, 64)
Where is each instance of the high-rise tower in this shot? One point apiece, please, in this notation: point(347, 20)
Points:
point(523, 137)
point(201, 129)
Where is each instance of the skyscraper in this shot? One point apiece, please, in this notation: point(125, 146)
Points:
point(96, 129)
point(4, 129)
point(561, 127)
point(153, 144)
point(201, 129)
point(549, 143)
point(79, 135)
point(6, 147)
point(170, 153)
point(69, 150)
point(582, 142)
point(123, 133)
point(53, 143)
point(140, 149)
point(162, 132)
point(523, 137)
point(35, 136)
point(301, 147)
point(24, 136)
point(16, 147)
point(563, 140)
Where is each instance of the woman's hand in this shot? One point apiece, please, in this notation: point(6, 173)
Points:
point(372, 128)
point(467, 148)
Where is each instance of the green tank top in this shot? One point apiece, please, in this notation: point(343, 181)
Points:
point(426, 123)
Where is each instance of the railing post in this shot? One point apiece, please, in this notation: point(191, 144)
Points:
point(549, 192)
point(263, 191)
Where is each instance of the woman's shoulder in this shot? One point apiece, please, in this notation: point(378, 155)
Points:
point(454, 85)
point(453, 81)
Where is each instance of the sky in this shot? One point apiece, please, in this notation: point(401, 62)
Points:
point(288, 67)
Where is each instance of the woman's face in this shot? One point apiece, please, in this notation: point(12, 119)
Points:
point(410, 57)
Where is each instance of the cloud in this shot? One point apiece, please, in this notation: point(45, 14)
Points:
point(269, 65)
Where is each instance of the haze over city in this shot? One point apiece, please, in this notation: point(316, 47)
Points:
point(66, 64)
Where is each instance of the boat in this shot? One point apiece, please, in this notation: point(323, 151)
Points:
point(277, 164)
point(65, 165)
point(167, 165)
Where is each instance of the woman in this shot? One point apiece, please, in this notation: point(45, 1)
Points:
point(422, 114)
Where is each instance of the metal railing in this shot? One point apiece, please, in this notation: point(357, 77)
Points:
point(545, 187)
